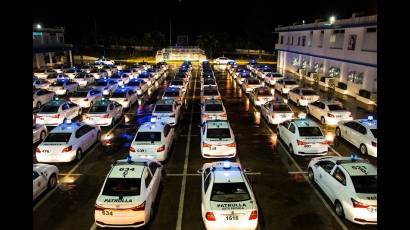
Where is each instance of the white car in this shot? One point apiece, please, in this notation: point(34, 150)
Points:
point(147, 77)
point(153, 141)
point(86, 68)
point(128, 194)
point(329, 112)
point(350, 184)
point(242, 76)
point(179, 83)
point(285, 85)
point(104, 61)
point(98, 73)
point(41, 97)
point(63, 87)
point(41, 83)
point(222, 60)
point(302, 96)
point(167, 111)
point(138, 85)
point(44, 73)
point(217, 139)
point(85, 97)
point(103, 113)
point(227, 199)
point(120, 78)
point(124, 96)
point(251, 83)
point(39, 133)
point(208, 81)
point(51, 77)
point(84, 79)
point(361, 133)
point(174, 93)
point(303, 137)
point(72, 72)
point(56, 112)
point(67, 142)
point(276, 112)
point(261, 95)
point(213, 109)
point(45, 177)
point(210, 92)
point(107, 86)
point(62, 76)
point(263, 71)
point(272, 78)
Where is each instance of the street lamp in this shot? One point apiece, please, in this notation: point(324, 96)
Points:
point(38, 26)
point(303, 21)
point(332, 19)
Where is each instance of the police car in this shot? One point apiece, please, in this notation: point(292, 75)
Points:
point(213, 109)
point(103, 113)
point(261, 95)
point(67, 142)
point(71, 72)
point(217, 139)
point(86, 68)
point(126, 97)
point(152, 141)
point(39, 133)
point(329, 112)
point(44, 73)
point(167, 111)
point(120, 78)
point(138, 85)
point(242, 76)
point(107, 86)
point(63, 87)
point(285, 85)
point(303, 137)
point(44, 178)
point(350, 184)
point(227, 199)
point(85, 97)
point(144, 75)
point(84, 79)
point(41, 97)
point(104, 61)
point(276, 112)
point(222, 60)
point(251, 83)
point(56, 111)
point(51, 77)
point(361, 133)
point(174, 93)
point(179, 83)
point(41, 83)
point(208, 81)
point(263, 71)
point(302, 96)
point(272, 78)
point(62, 76)
point(128, 194)
point(210, 92)
point(251, 64)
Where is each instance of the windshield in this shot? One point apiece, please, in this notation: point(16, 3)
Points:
point(335, 107)
point(101, 83)
point(171, 94)
point(119, 95)
point(51, 76)
point(374, 132)
point(210, 92)
point(148, 136)
point(80, 76)
point(98, 109)
point(282, 108)
point(213, 108)
point(309, 131)
point(122, 187)
point(365, 184)
point(163, 108)
point(209, 82)
point(177, 82)
point(308, 92)
point(133, 83)
point(79, 94)
point(292, 83)
point(263, 92)
point(49, 108)
point(218, 133)
point(58, 137)
point(229, 192)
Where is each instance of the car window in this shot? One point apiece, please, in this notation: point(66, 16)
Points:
point(285, 124)
point(292, 128)
point(122, 187)
point(326, 165)
point(321, 105)
point(339, 176)
point(35, 175)
point(65, 106)
point(361, 129)
point(111, 107)
point(350, 124)
point(80, 132)
point(42, 92)
point(230, 192)
point(148, 178)
point(207, 180)
point(153, 167)
point(71, 105)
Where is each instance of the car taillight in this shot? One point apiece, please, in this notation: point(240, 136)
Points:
point(38, 150)
point(330, 115)
point(210, 216)
point(357, 204)
point(38, 116)
point(231, 144)
point(132, 149)
point(106, 142)
point(67, 149)
point(140, 207)
point(374, 144)
point(326, 142)
point(161, 148)
point(56, 116)
point(206, 145)
point(301, 142)
point(98, 208)
point(253, 215)
point(105, 115)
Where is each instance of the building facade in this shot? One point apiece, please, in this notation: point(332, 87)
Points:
point(343, 52)
point(49, 47)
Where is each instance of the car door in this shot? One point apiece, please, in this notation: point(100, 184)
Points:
point(284, 130)
point(39, 184)
point(168, 134)
point(323, 173)
point(155, 169)
point(118, 110)
point(150, 187)
point(73, 110)
point(36, 132)
point(89, 136)
point(206, 181)
point(265, 110)
point(336, 183)
point(291, 133)
point(357, 133)
point(313, 107)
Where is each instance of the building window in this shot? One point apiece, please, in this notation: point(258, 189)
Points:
point(322, 34)
point(370, 40)
point(298, 41)
point(310, 39)
point(303, 40)
point(288, 41)
point(291, 41)
point(295, 61)
point(352, 42)
point(334, 72)
point(354, 77)
point(336, 39)
point(281, 39)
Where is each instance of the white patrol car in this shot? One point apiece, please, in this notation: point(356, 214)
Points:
point(272, 78)
point(51, 77)
point(84, 79)
point(174, 93)
point(179, 83)
point(41, 83)
point(242, 76)
point(107, 86)
point(44, 178)
point(41, 97)
point(128, 194)
point(167, 111)
point(217, 139)
point(62, 76)
point(120, 78)
point(183, 76)
point(144, 75)
point(70, 73)
point(39, 133)
point(251, 83)
point(350, 184)
point(302, 96)
point(222, 60)
point(261, 95)
point(103, 113)
point(104, 61)
point(285, 85)
point(213, 109)
point(138, 85)
point(126, 97)
point(227, 200)
point(263, 71)
point(85, 97)
point(62, 87)
point(276, 112)
point(329, 112)
point(208, 81)
point(67, 142)
point(152, 141)
point(44, 73)
point(210, 92)
point(303, 137)
point(361, 133)
point(56, 112)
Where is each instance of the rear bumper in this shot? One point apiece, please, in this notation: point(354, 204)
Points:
point(240, 225)
point(316, 151)
point(100, 121)
point(227, 152)
point(61, 158)
point(133, 219)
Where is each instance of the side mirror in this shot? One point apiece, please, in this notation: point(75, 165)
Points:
point(247, 170)
point(200, 171)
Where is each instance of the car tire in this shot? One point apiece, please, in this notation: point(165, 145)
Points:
point(338, 132)
point(311, 176)
point(52, 182)
point(38, 105)
point(78, 155)
point(322, 120)
point(339, 209)
point(291, 149)
point(42, 135)
point(363, 149)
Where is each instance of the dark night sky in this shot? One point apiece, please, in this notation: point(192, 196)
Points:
point(250, 19)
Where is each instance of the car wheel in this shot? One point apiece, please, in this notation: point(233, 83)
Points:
point(38, 105)
point(42, 135)
point(52, 182)
point(339, 209)
point(338, 132)
point(363, 149)
point(291, 149)
point(322, 120)
point(311, 175)
point(78, 155)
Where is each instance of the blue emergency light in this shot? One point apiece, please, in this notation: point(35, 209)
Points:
point(353, 157)
point(370, 118)
point(227, 164)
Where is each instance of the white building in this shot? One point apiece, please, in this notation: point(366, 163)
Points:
point(342, 52)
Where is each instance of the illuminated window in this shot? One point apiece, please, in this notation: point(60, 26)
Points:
point(334, 72)
point(356, 78)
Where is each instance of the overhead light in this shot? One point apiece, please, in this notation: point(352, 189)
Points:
point(303, 21)
point(332, 19)
point(38, 26)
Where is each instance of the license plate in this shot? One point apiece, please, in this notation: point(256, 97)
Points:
point(308, 146)
point(45, 151)
point(106, 212)
point(232, 218)
point(283, 116)
point(372, 210)
point(141, 150)
point(212, 148)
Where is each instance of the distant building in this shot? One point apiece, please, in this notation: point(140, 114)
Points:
point(49, 47)
point(344, 51)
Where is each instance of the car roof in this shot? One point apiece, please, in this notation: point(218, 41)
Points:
point(103, 102)
point(359, 168)
point(304, 123)
point(168, 101)
point(213, 101)
point(152, 127)
point(70, 128)
point(233, 174)
point(117, 170)
point(56, 102)
point(371, 124)
point(217, 124)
